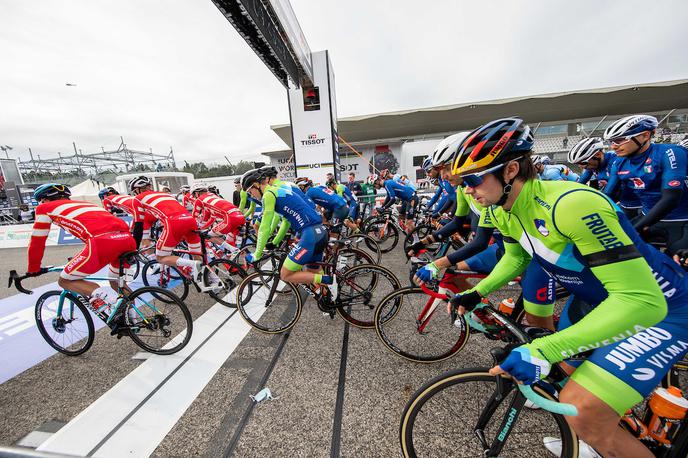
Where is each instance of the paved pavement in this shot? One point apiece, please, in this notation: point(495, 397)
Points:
point(339, 391)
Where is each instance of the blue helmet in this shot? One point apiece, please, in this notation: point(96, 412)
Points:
point(105, 191)
point(427, 164)
point(630, 126)
point(51, 190)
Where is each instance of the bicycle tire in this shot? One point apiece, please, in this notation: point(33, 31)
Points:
point(42, 303)
point(253, 310)
point(396, 326)
point(158, 320)
point(389, 240)
point(418, 232)
point(369, 242)
point(433, 388)
point(231, 274)
point(358, 307)
point(352, 257)
point(155, 280)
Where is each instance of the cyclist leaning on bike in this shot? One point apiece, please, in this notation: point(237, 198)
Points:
point(281, 200)
point(407, 195)
point(220, 217)
point(583, 240)
point(106, 237)
point(656, 174)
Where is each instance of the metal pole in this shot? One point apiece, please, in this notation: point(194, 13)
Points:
point(598, 125)
point(537, 127)
point(665, 117)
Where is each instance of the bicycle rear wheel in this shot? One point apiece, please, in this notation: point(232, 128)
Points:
point(159, 322)
point(403, 325)
point(366, 243)
point(267, 303)
point(165, 277)
point(230, 274)
point(361, 289)
point(385, 234)
point(71, 332)
point(440, 420)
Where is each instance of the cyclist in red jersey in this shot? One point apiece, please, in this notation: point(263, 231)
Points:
point(106, 237)
point(177, 224)
point(113, 202)
point(225, 218)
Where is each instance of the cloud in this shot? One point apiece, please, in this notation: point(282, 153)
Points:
point(176, 73)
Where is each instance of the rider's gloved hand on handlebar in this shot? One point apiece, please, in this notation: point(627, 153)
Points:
point(681, 257)
point(428, 272)
point(465, 302)
point(416, 247)
point(525, 363)
point(270, 246)
point(251, 258)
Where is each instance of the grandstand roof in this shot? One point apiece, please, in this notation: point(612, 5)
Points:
point(553, 107)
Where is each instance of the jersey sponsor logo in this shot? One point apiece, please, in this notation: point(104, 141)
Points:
point(599, 229)
point(642, 343)
point(647, 169)
point(300, 254)
point(541, 227)
point(543, 203)
point(672, 158)
point(294, 213)
point(638, 183)
point(643, 374)
point(674, 183)
point(648, 160)
point(623, 172)
point(617, 338)
point(545, 294)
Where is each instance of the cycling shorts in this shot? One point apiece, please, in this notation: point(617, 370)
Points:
point(230, 224)
point(353, 211)
point(538, 291)
point(176, 229)
point(625, 372)
point(309, 249)
point(408, 207)
point(337, 215)
point(485, 261)
point(99, 251)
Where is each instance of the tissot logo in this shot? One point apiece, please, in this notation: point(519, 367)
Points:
point(312, 140)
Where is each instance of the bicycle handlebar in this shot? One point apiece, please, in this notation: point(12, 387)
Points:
point(547, 404)
point(17, 279)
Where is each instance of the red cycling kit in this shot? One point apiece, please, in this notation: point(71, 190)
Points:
point(213, 208)
point(177, 223)
point(106, 237)
point(126, 204)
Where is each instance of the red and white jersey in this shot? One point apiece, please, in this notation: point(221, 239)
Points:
point(212, 207)
point(81, 219)
point(160, 205)
point(188, 201)
point(125, 203)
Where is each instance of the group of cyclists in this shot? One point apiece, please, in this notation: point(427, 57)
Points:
point(606, 235)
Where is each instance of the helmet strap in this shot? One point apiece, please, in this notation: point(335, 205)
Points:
point(506, 188)
point(639, 146)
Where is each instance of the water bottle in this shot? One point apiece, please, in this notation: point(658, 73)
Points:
point(507, 306)
point(668, 408)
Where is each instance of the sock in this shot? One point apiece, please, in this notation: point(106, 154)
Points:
point(181, 262)
point(229, 247)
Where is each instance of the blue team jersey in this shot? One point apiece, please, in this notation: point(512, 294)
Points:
point(293, 207)
point(400, 190)
point(662, 166)
point(325, 197)
point(556, 172)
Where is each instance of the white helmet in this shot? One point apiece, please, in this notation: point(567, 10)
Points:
point(684, 143)
point(139, 182)
point(630, 125)
point(536, 159)
point(446, 149)
point(199, 187)
point(585, 149)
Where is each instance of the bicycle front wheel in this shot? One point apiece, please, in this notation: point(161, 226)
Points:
point(165, 277)
point(71, 331)
point(415, 326)
point(361, 289)
point(159, 322)
point(267, 303)
point(384, 233)
point(440, 420)
point(229, 275)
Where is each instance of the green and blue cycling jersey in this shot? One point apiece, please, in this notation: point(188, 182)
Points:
point(280, 199)
point(350, 199)
point(245, 197)
point(638, 322)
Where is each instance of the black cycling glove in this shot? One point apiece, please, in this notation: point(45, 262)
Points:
point(467, 301)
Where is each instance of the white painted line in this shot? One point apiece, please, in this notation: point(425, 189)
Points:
point(34, 439)
point(148, 415)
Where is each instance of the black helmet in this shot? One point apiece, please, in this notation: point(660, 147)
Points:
point(51, 190)
point(106, 191)
point(213, 189)
point(331, 182)
point(268, 171)
point(250, 177)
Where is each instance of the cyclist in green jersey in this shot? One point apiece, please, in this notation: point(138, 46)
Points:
point(637, 297)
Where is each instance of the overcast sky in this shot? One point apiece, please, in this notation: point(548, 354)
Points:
point(175, 73)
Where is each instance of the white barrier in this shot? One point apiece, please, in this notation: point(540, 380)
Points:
point(18, 235)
